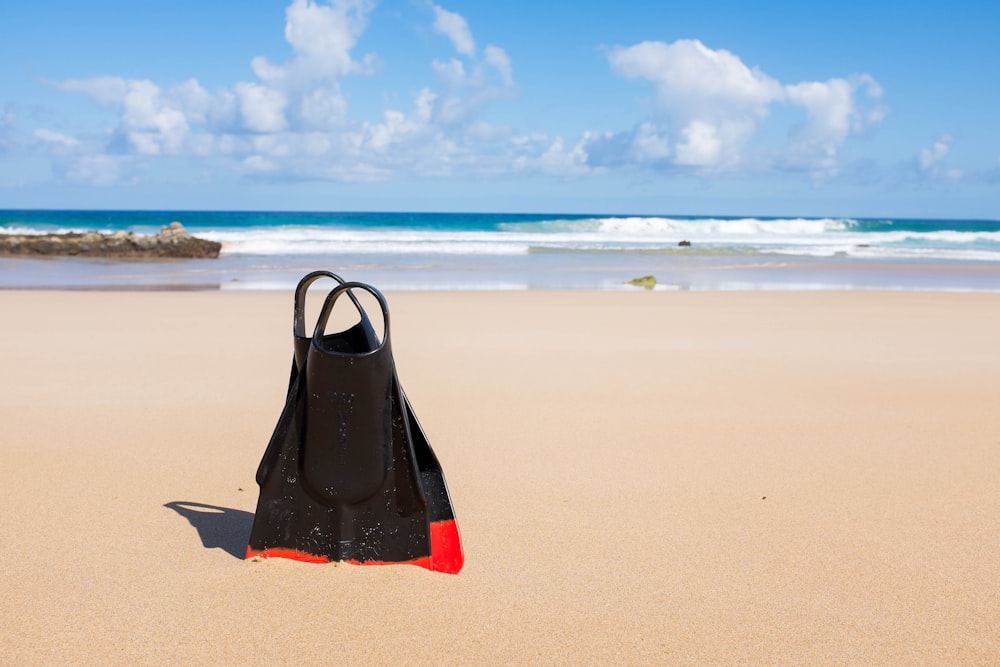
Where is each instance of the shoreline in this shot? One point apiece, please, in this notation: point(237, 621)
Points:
point(506, 273)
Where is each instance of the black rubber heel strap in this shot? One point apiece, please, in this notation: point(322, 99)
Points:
point(299, 312)
point(331, 299)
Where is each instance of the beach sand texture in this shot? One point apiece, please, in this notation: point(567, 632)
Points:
point(640, 478)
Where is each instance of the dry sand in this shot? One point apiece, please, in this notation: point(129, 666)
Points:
point(640, 478)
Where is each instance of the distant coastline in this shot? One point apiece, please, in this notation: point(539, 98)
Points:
point(518, 251)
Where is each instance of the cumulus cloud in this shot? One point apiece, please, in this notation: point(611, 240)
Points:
point(931, 157)
point(302, 92)
point(443, 130)
point(455, 28)
point(499, 59)
point(553, 156)
point(692, 79)
point(292, 119)
point(322, 37)
point(261, 107)
point(711, 105)
point(451, 73)
point(151, 122)
point(931, 162)
point(835, 109)
point(441, 133)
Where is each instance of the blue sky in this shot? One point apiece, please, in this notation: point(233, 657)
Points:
point(727, 108)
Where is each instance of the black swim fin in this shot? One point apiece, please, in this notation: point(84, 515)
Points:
point(349, 473)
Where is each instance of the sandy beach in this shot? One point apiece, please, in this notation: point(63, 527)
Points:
point(760, 478)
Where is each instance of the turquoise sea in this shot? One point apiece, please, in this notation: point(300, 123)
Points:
point(271, 250)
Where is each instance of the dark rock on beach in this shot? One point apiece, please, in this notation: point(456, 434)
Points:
point(172, 242)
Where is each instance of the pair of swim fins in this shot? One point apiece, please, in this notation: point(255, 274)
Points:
point(349, 474)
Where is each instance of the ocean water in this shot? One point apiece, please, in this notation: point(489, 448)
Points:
point(271, 250)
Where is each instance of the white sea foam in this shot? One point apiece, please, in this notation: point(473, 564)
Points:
point(35, 231)
point(714, 226)
point(663, 225)
point(325, 241)
point(826, 237)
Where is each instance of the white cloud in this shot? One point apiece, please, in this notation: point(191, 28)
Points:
point(645, 145)
point(931, 162)
point(56, 139)
point(708, 100)
point(198, 105)
point(865, 118)
point(108, 91)
point(649, 144)
point(262, 108)
point(322, 109)
point(292, 120)
point(930, 157)
point(701, 146)
point(451, 73)
point(552, 156)
point(487, 132)
point(455, 28)
point(424, 105)
point(465, 86)
point(322, 36)
point(394, 129)
point(499, 59)
point(258, 164)
point(152, 122)
point(694, 80)
point(302, 93)
point(834, 111)
point(712, 105)
point(306, 89)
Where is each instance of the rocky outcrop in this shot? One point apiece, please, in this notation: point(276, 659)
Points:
point(172, 241)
